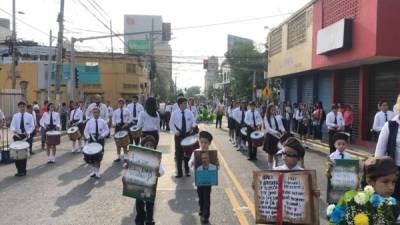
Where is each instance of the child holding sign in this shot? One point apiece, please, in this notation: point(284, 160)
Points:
point(293, 152)
point(340, 141)
point(145, 209)
point(204, 192)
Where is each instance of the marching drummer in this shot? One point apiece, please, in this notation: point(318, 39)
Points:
point(101, 106)
point(50, 121)
point(121, 118)
point(135, 108)
point(275, 130)
point(253, 122)
point(181, 124)
point(239, 115)
point(22, 124)
point(76, 119)
point(149, 120)
point(96, 130)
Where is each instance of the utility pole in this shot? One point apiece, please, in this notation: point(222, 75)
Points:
point(59, 65)
point(152, 61)
point(111, 37)
point(14, 49)
point(254, 86)
point(175, 94)
point(49, 68)
point(72, 83)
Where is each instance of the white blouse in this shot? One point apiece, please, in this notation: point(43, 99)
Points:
point(148, 123)
point(381, 146)
point(45, 120)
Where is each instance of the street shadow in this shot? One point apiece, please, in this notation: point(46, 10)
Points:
point(130, 220)
point(75, 174)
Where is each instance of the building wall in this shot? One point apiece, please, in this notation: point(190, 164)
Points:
point(294, 59)
point(387, 28)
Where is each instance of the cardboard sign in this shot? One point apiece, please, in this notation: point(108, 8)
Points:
point(342, 176)
point(140, 179)
point(206, 167)
point(286, 196)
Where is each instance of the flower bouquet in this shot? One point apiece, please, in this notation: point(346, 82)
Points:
point(362, 208)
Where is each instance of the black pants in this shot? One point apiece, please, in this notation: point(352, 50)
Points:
point(179, 157)
point(152, 133)
point(331, 143)
point(167, 118)
point(252, 150)
point(218, 121)
point(204, 193)
point(21, 164)
point(145, 211)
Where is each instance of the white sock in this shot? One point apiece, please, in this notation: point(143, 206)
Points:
point(121, 157)
point(80, 143)
point(74, 145)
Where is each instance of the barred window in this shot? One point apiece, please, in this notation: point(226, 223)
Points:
point(335, 10)
point(130, 68)
point(276, 41)
point(297, 30)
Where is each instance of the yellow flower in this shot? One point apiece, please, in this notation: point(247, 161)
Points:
point(361, 219)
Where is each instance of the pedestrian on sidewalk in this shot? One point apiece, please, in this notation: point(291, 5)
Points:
point(381, 118)
point(302, 121)
point(348, 117)
point(316, 121)
point(219, 110)
point(203, 192)
point(295, 122)
point(335, 123)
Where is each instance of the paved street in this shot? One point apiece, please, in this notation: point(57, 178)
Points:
point(63, 193)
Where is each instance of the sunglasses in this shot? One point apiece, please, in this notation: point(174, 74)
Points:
point(290, 154)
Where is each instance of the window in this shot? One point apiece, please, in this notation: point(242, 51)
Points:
point(335, 10)
point(297, 30)
point(43, 57)
point(130, 68)
point(276, 41)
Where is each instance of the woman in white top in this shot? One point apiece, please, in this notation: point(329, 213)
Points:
point(50, 121)
point(274, 130)
point(149, 120)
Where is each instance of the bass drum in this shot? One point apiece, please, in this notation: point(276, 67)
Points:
point(189, 144)
point(121, 138)
point(19, 150)
point(92, 153)
point(257, 138)
point(74, 133)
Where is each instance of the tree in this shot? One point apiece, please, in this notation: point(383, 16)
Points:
point(244, 60)
point(192, 91)
point(162, 86)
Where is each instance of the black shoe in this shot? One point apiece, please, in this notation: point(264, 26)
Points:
point(20, 174)
point(188, 174)
point(178, 176)
point(249, 159)
point(205, 221)
point(150, 223)
point(200, 213)
point(31, 152)
point(117, 160)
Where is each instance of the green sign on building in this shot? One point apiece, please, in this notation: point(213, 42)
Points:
point(138, 46)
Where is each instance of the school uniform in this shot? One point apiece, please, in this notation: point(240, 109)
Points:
point(32, 135)
point(274, 128)
point(149, 125)
point(181, 122)
point(103, 111)
point(50, 121)
point(380, 119)
point(120, 117)
point(76, 119)
point(252, 120)
point(22, 124)
point(96, 130)
point(285, 167)
point(333, 119)
point(239, 115)
point(339, 155)
point(193, 109)
point(301, 123)
point(175, 107)
point(135, 109)
point(231, 121)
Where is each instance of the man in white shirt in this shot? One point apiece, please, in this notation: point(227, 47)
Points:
point(22, 125)
point(96, 130)
point(101, 106)
point(76, 119)
point(335, 123)
point(181, 124)
point(239, 115)
point(253, 122)
point(175, 106)
point(219, 110)
point(135, 108)
point(121, 119)
point(381, 118)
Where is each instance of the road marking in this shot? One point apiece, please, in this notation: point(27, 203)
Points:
point(239, 213)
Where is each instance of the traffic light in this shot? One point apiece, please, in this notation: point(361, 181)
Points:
point(205, 64)
point(76, 78)
point(166, 31)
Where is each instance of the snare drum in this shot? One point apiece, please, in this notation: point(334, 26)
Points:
point(74, 133)
point(243, 131)
point(257, 138)
point(121, 138)
point(92, 153)
point(53, 137)
point(19, 150)
point(189, 144)
point(135, 132)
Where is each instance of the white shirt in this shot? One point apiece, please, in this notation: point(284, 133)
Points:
point(237, 114)
point(271, 128)
point(90, 128)
point(193, 109)
point(103, 111)
point(168, 108)
point(336, 155)
point(230, 111)
point(45, 120)
point(139, 108)
point(299, 115)
point(380, 149)
point(176, 121)
point(284, 167)
point(248, 118)
point(110, 110)
point(34, 117)
point(29, 123)
point(126, 116)
point(395, 109)
point(175, 107)
point(380, 120)
point(77, 115)
point(148, 123)
point(330, 121)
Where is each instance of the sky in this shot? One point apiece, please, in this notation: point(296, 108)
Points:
point(187, 44)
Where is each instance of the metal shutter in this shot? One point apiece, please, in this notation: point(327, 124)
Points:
point(307, 90)
point(292, 92)
point(348, 87)
point(325, 91)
